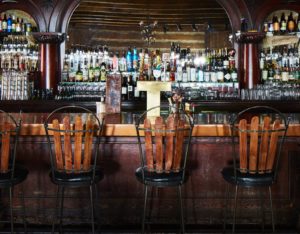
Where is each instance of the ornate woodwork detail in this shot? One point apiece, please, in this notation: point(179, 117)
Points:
point(250, 37)
point(49, 37)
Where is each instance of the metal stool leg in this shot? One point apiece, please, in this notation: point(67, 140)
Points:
point(92, 209)
point(145, 207)
point(262, 210)
point(271, 206)
point(234, 211)
point(11, 209)
point(24, 211)
point(226, 207)
point(181, 209)
point(61, 208)
point(55, 216)
point(97, 210)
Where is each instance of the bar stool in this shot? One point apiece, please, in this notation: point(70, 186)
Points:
point(11, 174)
point(261, 131)
point(163, 152)
point(73, 153)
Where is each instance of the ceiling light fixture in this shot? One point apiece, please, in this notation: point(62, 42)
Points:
point(194, 27)
point(179, 27)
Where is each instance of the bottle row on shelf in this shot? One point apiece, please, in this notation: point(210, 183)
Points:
point(9, 23)
point(18, 54)
point(283, 25)
point(174, 65)
point(280, 63)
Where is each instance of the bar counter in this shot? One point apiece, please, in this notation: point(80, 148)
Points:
point(122, 124)
point(121, 195)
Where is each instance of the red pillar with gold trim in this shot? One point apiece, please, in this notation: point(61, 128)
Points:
point(249, 74)
point(50, 58)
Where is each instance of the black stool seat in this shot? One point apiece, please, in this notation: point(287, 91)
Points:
point(160, 179)
point(20, 174)
point(79, 179)
point(247, 179)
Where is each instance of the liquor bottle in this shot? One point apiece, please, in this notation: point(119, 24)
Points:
point(9, 24)
point(103, 72)
point(85, 70)
point(276, 26)
point(122, 62)
point(147, 65)
point(65, 71)
point(97, 71)
point(130, 91)
point(298, 23)
point(244, 25)
point(129, 60)
point(4, 23)
point(282, 24)
point(291, 23)
point(1, 23)
point(18, 25)
point(200, 69)
point(172, 63)
point(157, 65)
point(115, 62)
point(193, 73)
point(226, 70)
point(91, 71)
point(135, 59)
point(13, 23)
point(72, 70)
point(141, 65)
point(179, 73)
point(78, 77)
point(124, 96)
point(234, 74)
point(264, 72)
point(136, 92)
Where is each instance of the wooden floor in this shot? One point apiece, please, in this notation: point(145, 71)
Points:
point(154, 230)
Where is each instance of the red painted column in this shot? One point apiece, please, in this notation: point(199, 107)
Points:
point(249, 58)
point(50, 58)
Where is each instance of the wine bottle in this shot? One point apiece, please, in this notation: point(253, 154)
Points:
point(291, 23)
point(130, 91)
point(78, 77)
point(282, 24)
point(276, 26)
point(124, 89)
point(4, 23)
point(13, 24)
point(9, 24)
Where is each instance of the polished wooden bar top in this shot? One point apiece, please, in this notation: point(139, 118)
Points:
point(122, 125)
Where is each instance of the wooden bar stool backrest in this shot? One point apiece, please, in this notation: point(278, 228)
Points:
point(6, 132)
point(9, 133)
point(81, 134)
point(164, 143)
point(262, 140)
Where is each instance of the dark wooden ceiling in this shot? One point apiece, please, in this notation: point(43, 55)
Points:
point(128, 13)
point(116, 17)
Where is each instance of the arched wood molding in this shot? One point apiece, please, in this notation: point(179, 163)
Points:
point(235, 10)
